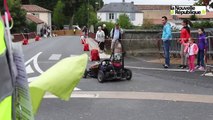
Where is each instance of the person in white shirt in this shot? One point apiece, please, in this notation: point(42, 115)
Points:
point(100, 37)
point(115, 34)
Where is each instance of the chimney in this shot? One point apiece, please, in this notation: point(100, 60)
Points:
point(123, 1)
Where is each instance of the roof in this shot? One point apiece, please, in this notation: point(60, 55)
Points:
point(120, 7)
point(34, 19)
point(209, 15)
point(34, 8)
point(153, 7)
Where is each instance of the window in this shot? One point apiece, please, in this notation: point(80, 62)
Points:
point(36, 14)
point(111, 16)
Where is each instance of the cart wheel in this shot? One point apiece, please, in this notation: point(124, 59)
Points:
point(85, 74)
point(100, 76)
point(128, 74)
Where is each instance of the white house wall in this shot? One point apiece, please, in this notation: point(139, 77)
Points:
point(105, 17)
point(138, 19)
point(44, 17)
point(101, 16)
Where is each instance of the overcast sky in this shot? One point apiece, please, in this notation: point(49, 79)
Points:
point(155, 2)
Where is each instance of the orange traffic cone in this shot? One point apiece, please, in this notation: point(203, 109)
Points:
point(25, 41)
point(37, 38)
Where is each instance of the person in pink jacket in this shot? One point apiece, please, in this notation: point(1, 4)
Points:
point(191, 49)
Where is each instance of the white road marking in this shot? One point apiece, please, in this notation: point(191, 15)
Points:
point(77, 89)
point(159, 69)
point(35, 62)
point(55, 57)
point(74, 96)
point(31, 59)
point(209, 74)
point(73, 55)
point(29, 69)
point(175, 97)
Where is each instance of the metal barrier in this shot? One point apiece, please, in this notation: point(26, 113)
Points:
point(175, 46)
point(156, 45)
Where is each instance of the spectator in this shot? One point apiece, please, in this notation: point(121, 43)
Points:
point(202, 45)
point(166, 37)
point(191, 49)
point(84, 30)
point(106, 32)
point(48, 32)
point(115, 34)
point(100, 37)
point(184, 36)
point(42, 32)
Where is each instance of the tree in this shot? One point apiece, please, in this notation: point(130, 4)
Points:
point(211, 5)
point(71, 6)
point(204, 2)
point(84, 13)
point(96, 4)
point(25, 1)
point(18, 15)
point(58, 15)
point(48, 4)
point(124, 21)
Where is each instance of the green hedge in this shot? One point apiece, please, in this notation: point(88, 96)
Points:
point(109, 25)
point(204, 24)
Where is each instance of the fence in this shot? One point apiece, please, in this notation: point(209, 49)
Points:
point(175, 46)
point(155, 46)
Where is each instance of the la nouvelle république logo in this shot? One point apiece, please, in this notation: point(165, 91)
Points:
point(188, 10)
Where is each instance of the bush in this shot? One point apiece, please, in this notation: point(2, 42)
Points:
point(204, 24)
point(193, 17)
point(109, 25)
point(32, 27)
point(125, 22)
point(148, 24)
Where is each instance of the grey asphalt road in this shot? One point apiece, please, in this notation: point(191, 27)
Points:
point(143, 81)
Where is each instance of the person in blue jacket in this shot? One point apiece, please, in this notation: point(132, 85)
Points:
point(166, 37)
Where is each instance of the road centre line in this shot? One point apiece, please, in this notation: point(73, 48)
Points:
point(175, 97)
point(55, 57)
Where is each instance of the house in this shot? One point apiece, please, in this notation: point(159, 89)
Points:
point(38, 15)
point(153, 13)
point(111, 12)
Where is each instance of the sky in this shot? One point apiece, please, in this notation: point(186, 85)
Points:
point(156, 2)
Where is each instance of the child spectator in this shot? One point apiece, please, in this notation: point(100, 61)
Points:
point(191, 49)
point(202, 45)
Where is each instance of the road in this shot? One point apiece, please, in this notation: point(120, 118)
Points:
point(152, 94)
